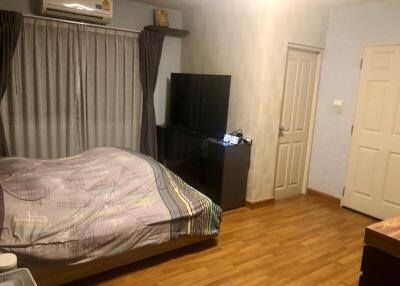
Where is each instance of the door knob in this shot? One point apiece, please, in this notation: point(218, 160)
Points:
point(281, 134)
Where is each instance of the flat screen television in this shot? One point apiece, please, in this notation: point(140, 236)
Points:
point(200, 102)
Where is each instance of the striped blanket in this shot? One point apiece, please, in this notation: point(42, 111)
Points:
point(100, 203)
point(192, 213)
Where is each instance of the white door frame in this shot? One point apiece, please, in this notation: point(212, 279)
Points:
point(319, 52)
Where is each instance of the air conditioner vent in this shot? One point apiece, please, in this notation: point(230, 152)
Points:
point(73, 16)
point(93, 11)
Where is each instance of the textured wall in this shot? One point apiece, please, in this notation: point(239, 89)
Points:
point(249, 41)
point(132, 15)
point(350, 28)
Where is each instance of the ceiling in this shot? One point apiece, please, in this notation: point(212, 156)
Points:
point(342, 2)
point(181, 4)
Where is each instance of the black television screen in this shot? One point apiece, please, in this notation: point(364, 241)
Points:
point(200, 102)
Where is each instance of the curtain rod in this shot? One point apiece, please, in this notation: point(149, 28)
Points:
point(79, 23)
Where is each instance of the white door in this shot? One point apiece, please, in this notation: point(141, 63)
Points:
point(373, 177)
point(295, 122)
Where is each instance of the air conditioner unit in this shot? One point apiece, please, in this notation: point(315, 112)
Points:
point(94, 11)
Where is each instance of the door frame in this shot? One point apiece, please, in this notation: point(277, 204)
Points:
point(319, 51)
point(353, 117)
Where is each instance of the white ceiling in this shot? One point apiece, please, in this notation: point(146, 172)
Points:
point(181, 4)
point(343, 2)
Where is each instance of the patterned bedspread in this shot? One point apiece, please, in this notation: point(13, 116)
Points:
point(100, 203)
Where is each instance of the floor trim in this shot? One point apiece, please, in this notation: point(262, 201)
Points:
point(284, 194)
point(322, 195)
point(259, 204)
point(361, 213)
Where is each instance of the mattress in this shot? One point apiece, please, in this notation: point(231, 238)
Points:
point(101, 203)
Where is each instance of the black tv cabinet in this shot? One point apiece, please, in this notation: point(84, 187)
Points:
point(226, 172)
point(216, 169)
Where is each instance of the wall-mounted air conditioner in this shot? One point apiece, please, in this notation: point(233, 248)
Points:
point(94, 11)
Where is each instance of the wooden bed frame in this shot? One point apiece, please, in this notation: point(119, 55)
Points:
point(51, 275)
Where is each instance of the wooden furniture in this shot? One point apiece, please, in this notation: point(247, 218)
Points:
point(167, 31)
point(182, 151)
point(381, 257)
point(50, 274)
point(226, 169)
point(216, 169)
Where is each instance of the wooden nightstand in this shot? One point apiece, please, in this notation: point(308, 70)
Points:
point(381, 257)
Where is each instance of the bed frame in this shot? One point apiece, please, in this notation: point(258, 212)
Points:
point(51, 275)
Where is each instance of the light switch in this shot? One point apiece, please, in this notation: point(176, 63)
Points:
point(337, 102)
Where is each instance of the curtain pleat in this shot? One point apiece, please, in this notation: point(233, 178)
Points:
point(72, 88)
point(113, 94)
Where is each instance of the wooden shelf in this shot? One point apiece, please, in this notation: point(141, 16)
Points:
point(167, 31)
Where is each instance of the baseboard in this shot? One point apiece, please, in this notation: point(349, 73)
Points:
point(323, 196)
point(279, 195)
point(259, 204)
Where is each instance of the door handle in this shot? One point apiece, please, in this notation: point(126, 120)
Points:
point(281, 134)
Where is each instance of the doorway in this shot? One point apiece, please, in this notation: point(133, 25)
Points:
point(296, 124)
point(373, 181)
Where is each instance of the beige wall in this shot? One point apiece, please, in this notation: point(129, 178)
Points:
point(248, 39)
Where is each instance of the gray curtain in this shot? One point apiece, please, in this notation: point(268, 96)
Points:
point(111, 91)
point(150, 46)
point(72, 88)
point(10, 26)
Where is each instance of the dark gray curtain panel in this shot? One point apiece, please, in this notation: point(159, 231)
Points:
point(150, 48)
point(10, 26)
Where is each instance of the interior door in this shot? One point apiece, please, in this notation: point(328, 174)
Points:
point(373, 177)
point(295, 121)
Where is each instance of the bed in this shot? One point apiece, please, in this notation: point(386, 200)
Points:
point(95, 211)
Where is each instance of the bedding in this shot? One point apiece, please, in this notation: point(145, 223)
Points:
point(101, 203)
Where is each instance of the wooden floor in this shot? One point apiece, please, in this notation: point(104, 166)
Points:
point(303, 240)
